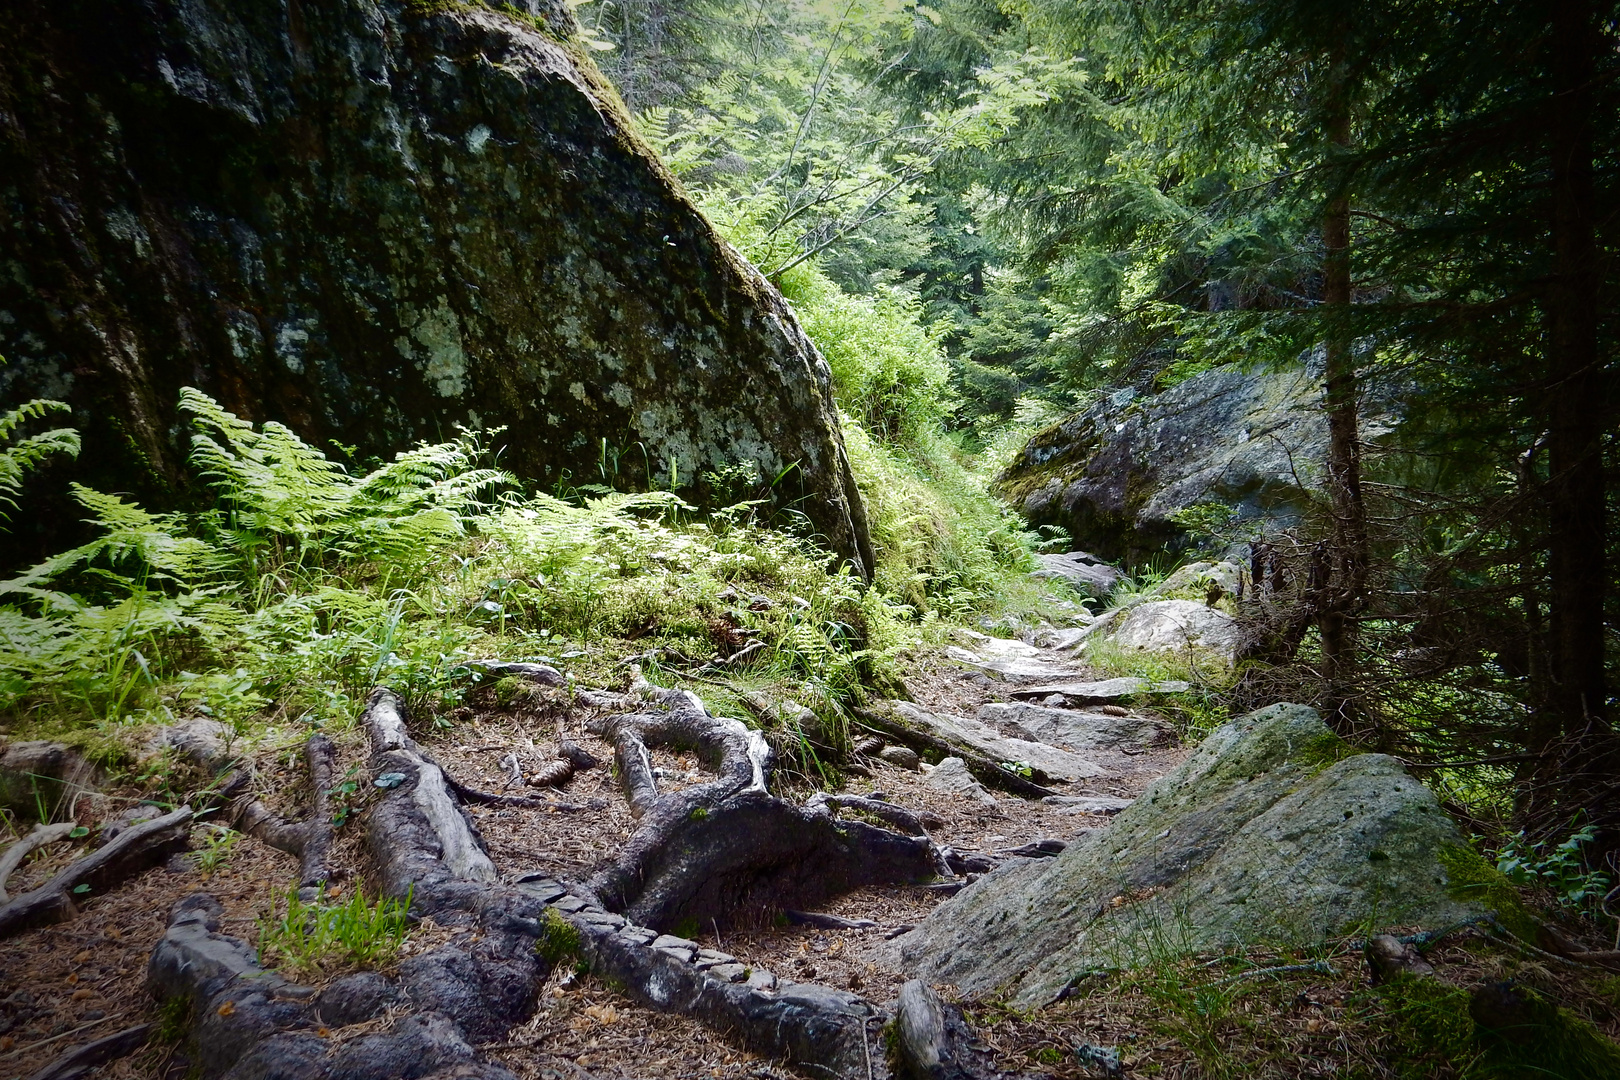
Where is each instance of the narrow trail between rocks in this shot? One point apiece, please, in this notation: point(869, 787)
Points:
point(1031, 711)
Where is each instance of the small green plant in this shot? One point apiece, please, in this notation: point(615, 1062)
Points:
point(344, 797)
point(312, 938)
point(215, 850)
point(1562, 870)
point(559, 938)
point(174, 1018)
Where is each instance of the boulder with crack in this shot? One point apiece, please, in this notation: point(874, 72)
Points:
point(1117, 474)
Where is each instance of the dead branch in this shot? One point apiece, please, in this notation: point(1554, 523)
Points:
point(40, 836)
point(130, 852)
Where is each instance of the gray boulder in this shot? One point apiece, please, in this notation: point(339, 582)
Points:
point(1176, 627)
point(952, 776)
point(1081, 569)
point(374, 223)
point(1273, 830)
point(1114, 475)
point(1076, 729)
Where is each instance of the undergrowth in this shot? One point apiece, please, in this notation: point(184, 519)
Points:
point(309, 938)
point(305, 586)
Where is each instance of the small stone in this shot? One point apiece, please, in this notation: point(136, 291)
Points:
point(711, 958)
point(638, 934)
point(680, 948)
point(731, 973)
point(760, 979)
point(952, 775)
point(901, 757)
point(569, 904)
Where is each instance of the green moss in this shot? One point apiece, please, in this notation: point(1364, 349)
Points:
point(698, 813)
point(1470, 878)
point(1324, 750)
point(1429, 1025)
point(559, 938)
point(1552, 1042)
point(438, 7)
point(511, 690)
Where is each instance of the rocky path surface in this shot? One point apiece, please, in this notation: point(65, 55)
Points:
point(1093, 744)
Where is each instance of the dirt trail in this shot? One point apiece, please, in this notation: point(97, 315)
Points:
point(79, 980)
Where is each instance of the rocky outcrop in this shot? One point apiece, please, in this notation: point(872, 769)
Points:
point(374, 221)
point(1273, 830)
point(1115, 474)
point(1177, 627)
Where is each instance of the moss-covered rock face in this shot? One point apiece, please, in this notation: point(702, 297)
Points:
point(1115, 474)
point(1272, 831)
point(375, 221)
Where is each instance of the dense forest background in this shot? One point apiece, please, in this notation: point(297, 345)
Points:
point(989, 215)
point(1050, 201)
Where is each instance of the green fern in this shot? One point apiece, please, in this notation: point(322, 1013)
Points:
point(25, 455)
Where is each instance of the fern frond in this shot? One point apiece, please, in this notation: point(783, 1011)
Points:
point(19, 460)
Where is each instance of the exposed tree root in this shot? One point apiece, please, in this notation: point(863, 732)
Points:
point(130, 852)
point(309, 840)
point(80, 1060)
point(720, 850)
point(728, 849)
point(38, 837)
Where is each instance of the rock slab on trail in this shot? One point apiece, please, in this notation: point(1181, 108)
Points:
point(1272, 830)
point(1078, 730)
point(969, 732)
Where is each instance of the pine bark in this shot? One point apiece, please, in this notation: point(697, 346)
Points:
point(1576, 768)
point(1575, 391)
point(1348, 547)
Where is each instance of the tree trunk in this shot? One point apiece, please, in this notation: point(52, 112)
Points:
point(1575, 397)
point(1349, 536)
point(1575, 771)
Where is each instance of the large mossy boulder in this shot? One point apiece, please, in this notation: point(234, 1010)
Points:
point(1273, 831)
point(1117, 474)
point(374, 221)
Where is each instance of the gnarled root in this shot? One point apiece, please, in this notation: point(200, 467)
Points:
point(137, 848)
point(41, 835)
point(247, 1022)
point(309, 840)
point(728, 849)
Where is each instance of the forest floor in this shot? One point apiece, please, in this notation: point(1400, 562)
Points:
point(76, 981)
